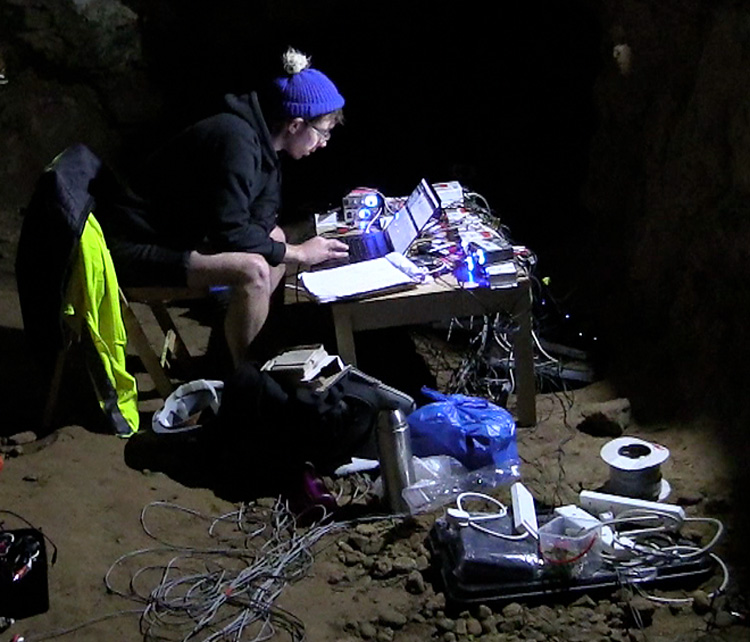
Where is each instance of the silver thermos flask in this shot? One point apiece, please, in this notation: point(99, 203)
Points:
point(394, 453)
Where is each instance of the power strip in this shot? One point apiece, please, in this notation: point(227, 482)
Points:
point(599, 503)
point(524, 511)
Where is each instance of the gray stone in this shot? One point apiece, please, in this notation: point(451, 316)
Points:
point(528, 633)
point(435, 603)
point(22, 438)
point(585, 601)
point(602, 628)
point(353, 558)
point(513, 609)
point(580, 613)
point(701, 602)
point(351, 626)
point(423, 562)
point(388, 616)
point(483, 611)
point(514, 623)
point(489, 625)
point(336, 577)
point(368, 630)
point(640, 611)
point(445, 624)
point(415, 583)
point(402, 565)
point(368, 530)
point(381, 568)
point(473, 627)
point(358, 542)
point(345, 546)
point(506, 626)
point(384, 635)
point(421, 549)
point(354, 573)
point(549, 627)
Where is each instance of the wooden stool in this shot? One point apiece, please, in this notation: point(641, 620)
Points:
point(174, 348)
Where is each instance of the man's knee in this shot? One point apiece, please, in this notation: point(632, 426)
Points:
point(234, 269)
point(255, 270)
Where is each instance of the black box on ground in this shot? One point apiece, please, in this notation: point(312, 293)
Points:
point(24, 589)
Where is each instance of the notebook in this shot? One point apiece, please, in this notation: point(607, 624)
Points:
point(400, 233)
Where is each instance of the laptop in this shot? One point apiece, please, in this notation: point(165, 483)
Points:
point(400, 233)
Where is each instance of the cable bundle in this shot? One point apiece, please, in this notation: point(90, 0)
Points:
point(228, 591)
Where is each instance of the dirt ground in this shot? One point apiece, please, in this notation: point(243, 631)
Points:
point(366, 581)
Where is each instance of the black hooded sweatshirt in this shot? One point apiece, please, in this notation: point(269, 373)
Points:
point(215, 187)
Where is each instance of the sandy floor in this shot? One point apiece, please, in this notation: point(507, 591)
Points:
point(87, 495)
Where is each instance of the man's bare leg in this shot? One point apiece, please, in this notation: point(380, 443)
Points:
point(251, 280)
point(249, 277)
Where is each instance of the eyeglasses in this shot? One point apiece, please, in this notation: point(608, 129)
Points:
point(325, 134)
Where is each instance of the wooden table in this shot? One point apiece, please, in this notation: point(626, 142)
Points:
point(442, 300)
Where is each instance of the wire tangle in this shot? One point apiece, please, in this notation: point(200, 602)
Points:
point(226, 589)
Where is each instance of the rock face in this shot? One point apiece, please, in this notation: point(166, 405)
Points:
point(668, 185)
point(72, 71)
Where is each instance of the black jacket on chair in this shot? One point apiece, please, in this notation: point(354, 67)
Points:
point(52, 226)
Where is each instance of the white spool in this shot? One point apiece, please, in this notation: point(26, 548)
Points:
point(635, 468)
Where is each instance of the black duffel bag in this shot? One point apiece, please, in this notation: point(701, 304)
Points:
point(273, 427)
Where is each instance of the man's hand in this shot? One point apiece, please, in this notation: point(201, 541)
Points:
point(316, 250)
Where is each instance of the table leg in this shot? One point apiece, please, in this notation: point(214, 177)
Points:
point(342, 322)
point(523, 351)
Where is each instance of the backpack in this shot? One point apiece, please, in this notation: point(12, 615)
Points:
point(276, 426)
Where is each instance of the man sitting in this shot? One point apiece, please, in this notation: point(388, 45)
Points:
point(204, 212)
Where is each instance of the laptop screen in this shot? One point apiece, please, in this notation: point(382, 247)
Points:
point(411, 218)
point(422, 204)
point(401, 230)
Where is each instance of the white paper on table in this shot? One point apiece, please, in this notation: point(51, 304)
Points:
point(364, 277)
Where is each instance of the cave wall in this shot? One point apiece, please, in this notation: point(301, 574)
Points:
point(668, 188)
point(497, 96)
point(633, 178)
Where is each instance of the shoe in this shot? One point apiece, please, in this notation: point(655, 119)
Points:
point(308, 498)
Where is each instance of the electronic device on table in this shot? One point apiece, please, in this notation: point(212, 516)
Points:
point(400, 233)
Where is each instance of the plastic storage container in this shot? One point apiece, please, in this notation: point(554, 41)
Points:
point(568, 549)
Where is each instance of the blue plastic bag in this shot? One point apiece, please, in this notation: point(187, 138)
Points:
point(473, 430)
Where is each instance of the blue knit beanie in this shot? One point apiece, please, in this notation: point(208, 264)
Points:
point(305, 92)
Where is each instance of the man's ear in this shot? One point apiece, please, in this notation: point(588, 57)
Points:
point(294, 125)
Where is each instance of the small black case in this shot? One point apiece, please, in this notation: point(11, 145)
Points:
point(28, 594)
